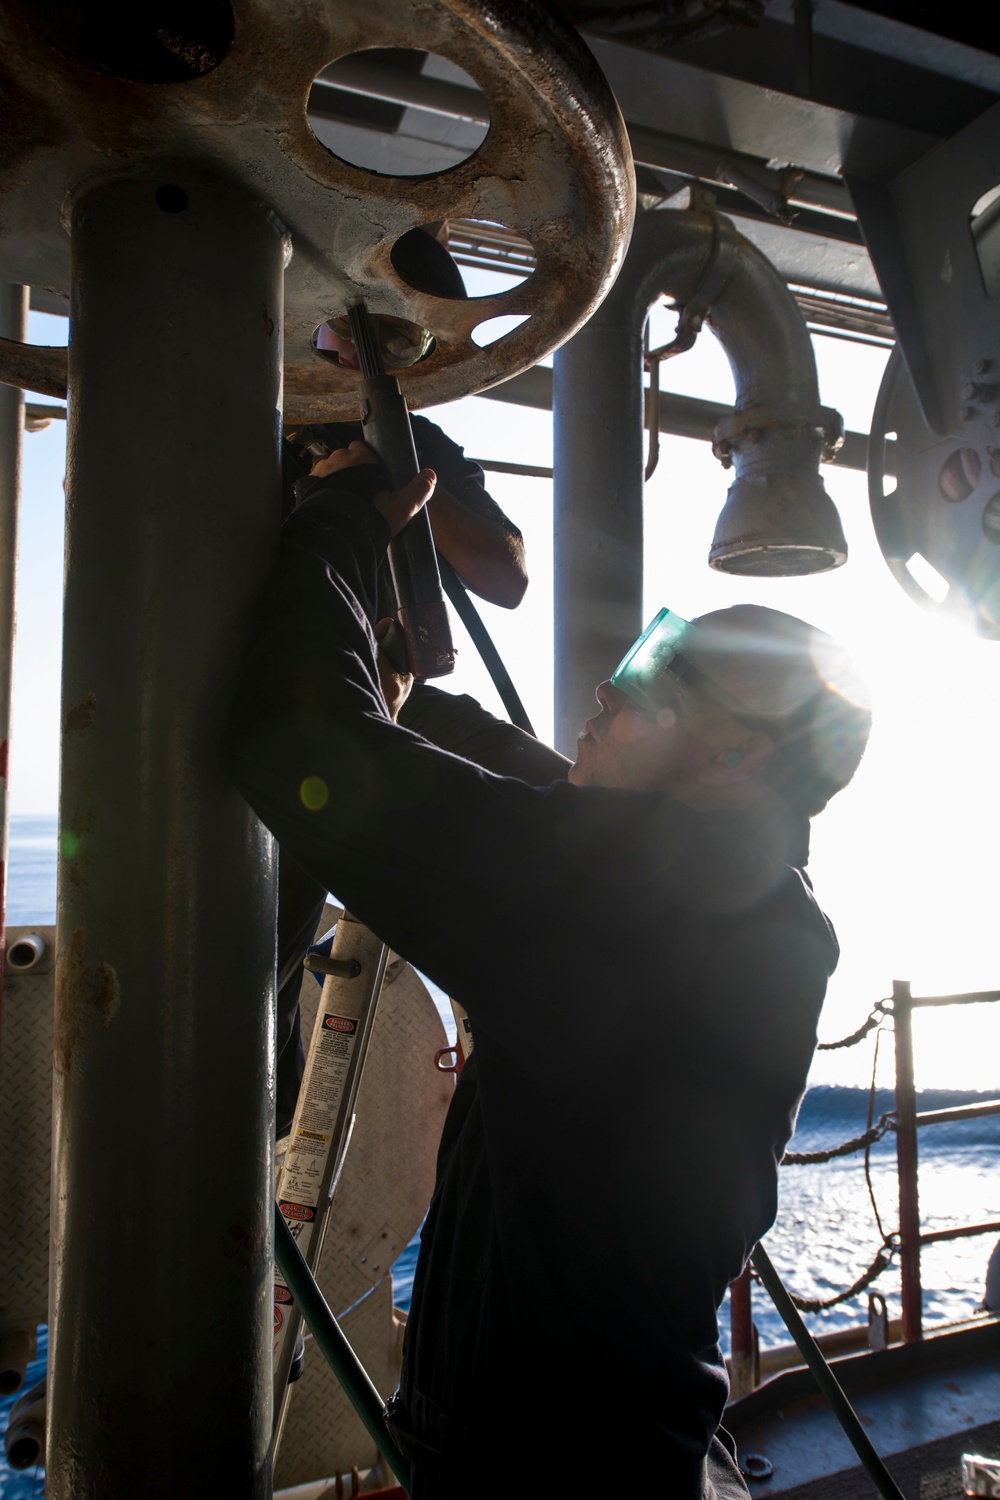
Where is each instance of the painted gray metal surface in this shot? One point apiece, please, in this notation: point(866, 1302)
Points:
point(164, 1049)
point(722, 111)
point(918, 226)
point(952, 1383)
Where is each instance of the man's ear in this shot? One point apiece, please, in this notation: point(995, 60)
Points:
point(741, 761)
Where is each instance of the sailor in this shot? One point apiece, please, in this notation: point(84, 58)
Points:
point(643, 962)
point(471, 532)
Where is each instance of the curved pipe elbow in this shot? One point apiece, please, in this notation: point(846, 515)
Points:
point(697, 258)
point(778, 517)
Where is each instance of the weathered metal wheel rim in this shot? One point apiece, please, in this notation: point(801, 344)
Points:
point(555, 166)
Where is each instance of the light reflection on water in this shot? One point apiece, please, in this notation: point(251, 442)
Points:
point(826, 1235)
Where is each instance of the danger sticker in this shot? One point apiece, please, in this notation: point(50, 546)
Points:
point(340, 1023)
point(297, 1211)
point(282, 1294)
point(279, 1318)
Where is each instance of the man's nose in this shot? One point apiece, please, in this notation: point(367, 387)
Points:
point(611, 698)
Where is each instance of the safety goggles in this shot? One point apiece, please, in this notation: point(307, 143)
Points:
point(654, 672)
point(402, 343)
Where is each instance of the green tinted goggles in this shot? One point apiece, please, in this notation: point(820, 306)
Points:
point(650, 671)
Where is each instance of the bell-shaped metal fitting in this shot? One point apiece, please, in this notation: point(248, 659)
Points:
point(778, 520)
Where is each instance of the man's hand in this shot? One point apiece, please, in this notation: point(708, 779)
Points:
point(396, 506)
point(343, 458)
point(396, 685)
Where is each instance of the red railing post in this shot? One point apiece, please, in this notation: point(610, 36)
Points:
point(906, 1163)
point(743, 1372)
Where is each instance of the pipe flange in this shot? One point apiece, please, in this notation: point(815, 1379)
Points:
point(746, 425)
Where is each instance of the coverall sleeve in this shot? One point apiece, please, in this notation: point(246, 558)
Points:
point(462, 476)
point(431, 852)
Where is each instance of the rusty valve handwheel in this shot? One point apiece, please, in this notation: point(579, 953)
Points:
point(554, 166)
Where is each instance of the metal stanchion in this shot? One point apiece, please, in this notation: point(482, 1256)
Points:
point(164, 1083)
point(597, 508)
point(743, 1371)
point(906, 1163)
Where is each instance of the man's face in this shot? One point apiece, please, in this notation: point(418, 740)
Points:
point(684, 750)
point(623, 747)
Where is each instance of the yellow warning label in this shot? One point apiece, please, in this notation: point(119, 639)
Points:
point(312, 1135)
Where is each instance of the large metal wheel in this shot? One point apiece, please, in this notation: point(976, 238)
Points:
point(944, 507)
point(554, 166)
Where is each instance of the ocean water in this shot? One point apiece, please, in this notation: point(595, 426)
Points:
point(826, 1234)
point(31, 871)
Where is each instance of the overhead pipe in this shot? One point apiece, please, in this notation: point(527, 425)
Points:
point(778, 518)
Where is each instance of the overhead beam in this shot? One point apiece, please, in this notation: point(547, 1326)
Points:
point(680, 416)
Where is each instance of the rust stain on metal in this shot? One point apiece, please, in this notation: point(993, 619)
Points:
point(34, 367)
point(79, 985)
point(267, 322)
point(106, 994)
point(80, 716)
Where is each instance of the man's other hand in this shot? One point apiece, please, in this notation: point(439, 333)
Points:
point(396, 685)
point(396, 506)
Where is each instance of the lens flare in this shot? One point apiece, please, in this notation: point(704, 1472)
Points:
point(314, 793)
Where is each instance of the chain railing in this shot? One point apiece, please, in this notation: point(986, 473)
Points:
point(904, 1120)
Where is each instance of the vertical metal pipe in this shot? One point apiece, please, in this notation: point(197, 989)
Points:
point(13, 322)
point(597, 508)
point(906, 1163)
point(164, 1054)
point(743, 1375)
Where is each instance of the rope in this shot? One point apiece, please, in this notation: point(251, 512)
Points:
point(881, 1262)
point(878, 1015)
point(873, 1133)
point(868, 1145)
point(846, 1148)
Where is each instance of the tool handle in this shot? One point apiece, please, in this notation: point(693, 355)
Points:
point(423, 614)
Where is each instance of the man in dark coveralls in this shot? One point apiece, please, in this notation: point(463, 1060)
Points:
point(643, 963)
point(471, 533)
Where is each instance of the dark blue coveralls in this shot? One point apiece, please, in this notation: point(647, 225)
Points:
point(644, 983)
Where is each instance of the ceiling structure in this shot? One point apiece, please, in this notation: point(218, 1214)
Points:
point(775, 106)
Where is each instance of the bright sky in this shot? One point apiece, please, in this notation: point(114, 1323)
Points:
point(903, 861)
